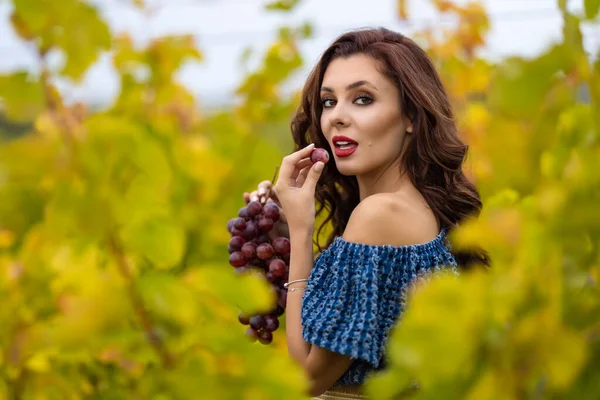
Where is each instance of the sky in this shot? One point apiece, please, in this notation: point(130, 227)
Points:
point(224, 28)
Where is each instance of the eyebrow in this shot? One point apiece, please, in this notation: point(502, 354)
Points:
point(351, 86)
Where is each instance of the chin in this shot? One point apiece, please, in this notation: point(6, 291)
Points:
point(347, 170)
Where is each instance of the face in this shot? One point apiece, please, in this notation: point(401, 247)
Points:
point(362, 119)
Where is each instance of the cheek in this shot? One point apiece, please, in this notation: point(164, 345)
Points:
point(378, 124)
point(325, 127)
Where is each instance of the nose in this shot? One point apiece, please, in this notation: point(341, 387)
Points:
point(338, 117)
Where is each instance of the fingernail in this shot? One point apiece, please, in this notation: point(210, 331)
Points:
point(312, 144)
point(319, 166)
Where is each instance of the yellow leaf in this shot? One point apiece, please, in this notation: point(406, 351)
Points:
point(402, 12)
point(21, 95)
point(7, 238)
point(39, 362)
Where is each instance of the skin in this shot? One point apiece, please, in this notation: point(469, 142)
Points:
point(370, 114)
point(391, 210)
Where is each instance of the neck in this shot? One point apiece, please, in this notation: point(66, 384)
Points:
point(385, 180)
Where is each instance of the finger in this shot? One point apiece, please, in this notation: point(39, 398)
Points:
point(288, 164)
point(313, 175)
point(254, 196)
point(246, 197)
point(274, 197)
point(300, 166)
point(282, 217)
point(302, 176)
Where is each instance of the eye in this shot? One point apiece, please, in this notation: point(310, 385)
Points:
point(363, 100)
point(327, 103)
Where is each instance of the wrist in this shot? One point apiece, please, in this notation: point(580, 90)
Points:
point(301, 232)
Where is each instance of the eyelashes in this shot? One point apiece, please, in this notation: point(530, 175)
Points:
point(365, 99)
point(361, 100)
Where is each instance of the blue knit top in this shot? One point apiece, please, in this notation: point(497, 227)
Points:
point(356, 293)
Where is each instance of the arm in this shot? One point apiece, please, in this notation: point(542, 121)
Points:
point(322, 366)
point(295, 189)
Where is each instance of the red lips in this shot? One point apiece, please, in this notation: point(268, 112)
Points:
point(343, 146)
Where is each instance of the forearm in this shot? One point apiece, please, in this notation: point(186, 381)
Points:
point(301, 264)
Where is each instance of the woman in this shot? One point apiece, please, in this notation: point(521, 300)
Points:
point(394, 190)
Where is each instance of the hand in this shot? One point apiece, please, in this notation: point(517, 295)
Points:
point(264, 195)
point(295, 188)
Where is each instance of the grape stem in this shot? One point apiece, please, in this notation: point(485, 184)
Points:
point(272, 183)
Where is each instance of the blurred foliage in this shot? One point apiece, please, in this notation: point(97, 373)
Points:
point(113, 261)
point(529, 327)
point(113, 270)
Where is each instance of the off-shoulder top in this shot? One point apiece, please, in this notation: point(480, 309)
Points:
point(356, 293)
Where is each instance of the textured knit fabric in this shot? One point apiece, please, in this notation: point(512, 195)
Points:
point(356, 293)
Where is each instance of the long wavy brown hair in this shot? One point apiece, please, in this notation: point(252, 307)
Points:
point(434, 156)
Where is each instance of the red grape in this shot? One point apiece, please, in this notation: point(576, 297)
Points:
point(251, 230)
point(265, 337)
point(271, 210)
point(264, 251)
point(230, 225)
point(277, 268)
point(265, 224)
point(271, 278)
point(239, 224)
point(249, 250)
point(257, 322)
point(319, 154)
point(254, 208)
point(281, 246)
point(282, 301)
point(252, 250)
point(243, 318)
point(236, 242)
point(243, 213)
point(237, 259)
point(271, 323)
point(278, 311)
point(252, 334)
point(231, 249)
point(263, 237)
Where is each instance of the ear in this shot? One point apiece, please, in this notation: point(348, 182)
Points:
point(409, 124)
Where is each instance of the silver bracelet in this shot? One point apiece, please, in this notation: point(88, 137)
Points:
point(287, 284)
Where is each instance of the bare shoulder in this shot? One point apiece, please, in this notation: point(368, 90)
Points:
point(388, 218)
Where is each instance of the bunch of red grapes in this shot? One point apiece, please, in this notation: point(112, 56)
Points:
point(251, 247)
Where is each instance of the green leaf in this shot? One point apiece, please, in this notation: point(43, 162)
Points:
point(159, 238)
point(520, 86)
point(249, 293)
point(72, 26)
point(591, 8)
point(282, 5)
point(21, 96)
point(168, 297)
